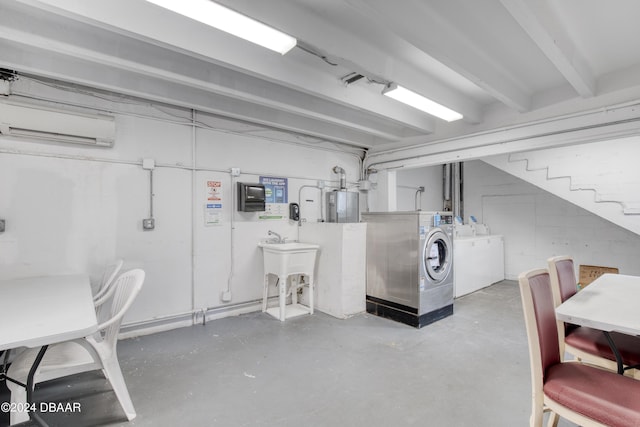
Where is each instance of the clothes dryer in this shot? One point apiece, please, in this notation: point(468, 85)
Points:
point(410, 266)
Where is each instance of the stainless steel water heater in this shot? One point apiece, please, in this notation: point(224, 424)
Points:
point(343, 206)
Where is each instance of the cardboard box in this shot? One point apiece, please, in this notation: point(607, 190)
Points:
point(589, 273)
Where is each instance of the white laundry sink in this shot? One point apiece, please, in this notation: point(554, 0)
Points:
point(283, 259)
point(289, 259)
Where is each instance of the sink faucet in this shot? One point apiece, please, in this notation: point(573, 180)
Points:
point(273, 233)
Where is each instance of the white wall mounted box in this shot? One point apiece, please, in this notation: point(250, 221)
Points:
point(39, 123)
point(341, 267)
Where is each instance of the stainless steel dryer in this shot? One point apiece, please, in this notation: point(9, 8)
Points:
point(410, 266)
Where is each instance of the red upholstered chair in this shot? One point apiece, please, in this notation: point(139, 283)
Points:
point(583, 394)
point(586, 344)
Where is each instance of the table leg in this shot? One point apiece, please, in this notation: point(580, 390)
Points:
point(3, 374)
point(616, 352)
point(30, 386)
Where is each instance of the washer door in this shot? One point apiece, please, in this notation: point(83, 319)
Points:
point(437, 254)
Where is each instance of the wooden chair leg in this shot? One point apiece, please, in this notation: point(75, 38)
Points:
point(537, 413)
point(553, 419)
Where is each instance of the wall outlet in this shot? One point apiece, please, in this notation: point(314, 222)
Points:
point(235, 171)
point(226, 296)
point(2, 225)
point(148, 224)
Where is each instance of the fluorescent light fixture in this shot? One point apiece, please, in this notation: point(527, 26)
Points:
point(231, 22)
point(408, 97)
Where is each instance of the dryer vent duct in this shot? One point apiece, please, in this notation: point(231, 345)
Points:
point(343, 177)
point(342, 205)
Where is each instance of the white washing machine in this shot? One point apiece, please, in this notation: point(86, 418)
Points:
point(410, 266)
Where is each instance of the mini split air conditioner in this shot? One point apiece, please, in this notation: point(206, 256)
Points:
point(38, 123)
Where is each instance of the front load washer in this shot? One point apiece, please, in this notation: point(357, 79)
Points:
point(410, 266)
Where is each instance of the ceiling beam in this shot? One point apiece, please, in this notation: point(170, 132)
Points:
point(71, 69)
point(361, 56)
point(596, 125)
point(194, 39)
point(421, 25)
point(538, 21)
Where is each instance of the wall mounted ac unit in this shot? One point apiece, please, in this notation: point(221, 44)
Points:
point(39, 123)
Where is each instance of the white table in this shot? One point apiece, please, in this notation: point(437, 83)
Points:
point(609, 303)
point(38, 311)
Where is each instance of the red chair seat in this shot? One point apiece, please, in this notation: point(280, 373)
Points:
point(606, 397)
point(594, 342)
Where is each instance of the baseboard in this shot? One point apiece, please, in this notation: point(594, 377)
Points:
point(182, 320)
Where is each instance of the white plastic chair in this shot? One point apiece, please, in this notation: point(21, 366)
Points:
point(85, 354)
point(109, 275)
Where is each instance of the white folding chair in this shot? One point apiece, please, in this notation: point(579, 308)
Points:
point(86, 354)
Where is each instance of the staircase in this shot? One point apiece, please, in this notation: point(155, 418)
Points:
point(600, 177)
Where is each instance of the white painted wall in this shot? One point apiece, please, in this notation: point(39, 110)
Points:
point(73, 209)
point(537, 225)
point(395, 190)
point(408, 180)
point(601, 177)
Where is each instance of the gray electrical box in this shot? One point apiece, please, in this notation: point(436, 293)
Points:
point(343, 206)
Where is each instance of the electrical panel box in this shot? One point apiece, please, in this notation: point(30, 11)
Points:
point(251, 197)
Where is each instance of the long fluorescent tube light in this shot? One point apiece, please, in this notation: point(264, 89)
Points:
point(408, 97)
point(231, 22)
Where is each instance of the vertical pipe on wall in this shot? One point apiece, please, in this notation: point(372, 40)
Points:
point(226, 295)
point(456, 189)
point(446, 186)
point(193, 219)
point(151, 193)
point(343, 176)
point(446, 181)
point(461, 190)
point(418, 205)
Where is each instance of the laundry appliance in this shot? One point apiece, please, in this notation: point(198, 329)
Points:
point(410, 266)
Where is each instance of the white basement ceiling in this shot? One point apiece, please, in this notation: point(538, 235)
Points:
point(498, 62)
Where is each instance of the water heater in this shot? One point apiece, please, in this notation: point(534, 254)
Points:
point(343, 206)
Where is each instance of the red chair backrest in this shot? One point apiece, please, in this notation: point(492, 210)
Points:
point(544, 310)
point(566, 278)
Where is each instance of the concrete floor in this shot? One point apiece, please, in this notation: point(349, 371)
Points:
point(470, 369)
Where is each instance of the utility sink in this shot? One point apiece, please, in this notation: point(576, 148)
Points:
point(288, 246)
point(283, 259)
point(289, 259)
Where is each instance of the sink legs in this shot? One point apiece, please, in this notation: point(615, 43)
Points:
point(284, 311)
point(282, 297)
